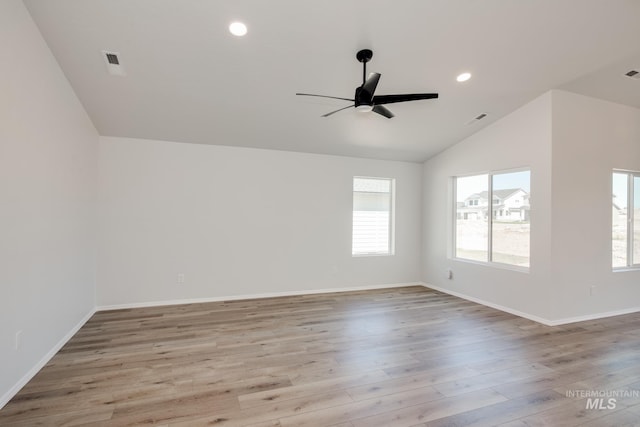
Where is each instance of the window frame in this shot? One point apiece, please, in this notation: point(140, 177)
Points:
point(632, 264)
point(490, 206)
point(392, 213)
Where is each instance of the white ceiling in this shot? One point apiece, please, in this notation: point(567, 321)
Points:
point(189, 80)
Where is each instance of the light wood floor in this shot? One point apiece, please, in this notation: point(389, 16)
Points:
point(393, 357)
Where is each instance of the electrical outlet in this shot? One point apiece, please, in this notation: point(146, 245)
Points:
point(18, 341)
point(449, 274)
point(592, 290)
point(180, 278)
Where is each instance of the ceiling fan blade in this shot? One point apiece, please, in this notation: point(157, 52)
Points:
point(390, 99)
point(382, 111)
point(324, 96)
point(333, 112)
point(371, 83)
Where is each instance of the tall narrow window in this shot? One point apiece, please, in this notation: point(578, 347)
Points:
point(625, 220)
point(619, 223)
point(511, 228)
point(372, 216)
point(472, 214)
point(492, 221)
point(636, 220)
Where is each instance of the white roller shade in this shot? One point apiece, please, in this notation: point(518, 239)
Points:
point(372, 216)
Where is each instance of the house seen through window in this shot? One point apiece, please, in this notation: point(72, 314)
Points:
point(498, 231)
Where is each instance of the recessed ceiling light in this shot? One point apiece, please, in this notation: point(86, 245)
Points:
point(463, 77)
point(238, 29)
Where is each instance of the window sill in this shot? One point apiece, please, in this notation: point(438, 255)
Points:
point(369, 255)
point(497, 265)
point(625, 269)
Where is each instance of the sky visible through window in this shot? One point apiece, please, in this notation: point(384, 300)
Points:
point(620, 189)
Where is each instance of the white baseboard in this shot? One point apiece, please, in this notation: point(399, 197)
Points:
point(595, 316)
point(253, 296)
point(533, 317)
point(47, 357)
point(492, 305)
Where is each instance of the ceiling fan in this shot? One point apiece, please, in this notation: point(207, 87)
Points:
point(365, 98)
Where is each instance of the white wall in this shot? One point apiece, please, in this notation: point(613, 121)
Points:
point(571, 143)
point(591, 137)
point(522, 139)
point(48, 160)
point(239, 221)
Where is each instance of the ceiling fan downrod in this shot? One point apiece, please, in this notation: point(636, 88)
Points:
point(364, 56)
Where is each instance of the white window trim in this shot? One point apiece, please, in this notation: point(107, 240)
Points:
point(489, 262)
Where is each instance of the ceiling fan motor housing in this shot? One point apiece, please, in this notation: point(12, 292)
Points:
point(363, 97)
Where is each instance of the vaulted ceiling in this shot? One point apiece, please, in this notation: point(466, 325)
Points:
point(189, 80)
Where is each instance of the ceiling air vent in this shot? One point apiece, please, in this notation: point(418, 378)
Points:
point(113, 63)
point(634, 74)
point(476, 119)
point(112, 58)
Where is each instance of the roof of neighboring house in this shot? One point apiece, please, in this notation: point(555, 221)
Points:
point(500, 194)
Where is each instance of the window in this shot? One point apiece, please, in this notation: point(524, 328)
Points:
point(471, 227)
point(625, 220)
point(372, 216)
point(498, 231)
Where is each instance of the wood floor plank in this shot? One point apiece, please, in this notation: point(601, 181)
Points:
point(504, 411)
point(270, 412)
point(623, 418)
point(572, 413)
point(557, 380)
point(491, 379)
point(396, 385)
point(304, 390)
point(387, 357)
point(92, 416)
point(363, 408)
point(419, 414)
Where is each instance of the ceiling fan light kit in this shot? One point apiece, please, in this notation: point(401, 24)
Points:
point(365, 99)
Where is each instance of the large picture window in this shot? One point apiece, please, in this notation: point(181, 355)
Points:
point(492, 217)
point(372, 216)
point(625, 220)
